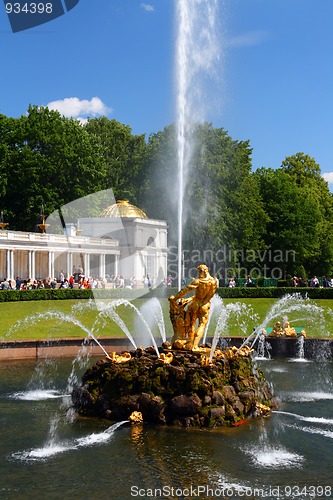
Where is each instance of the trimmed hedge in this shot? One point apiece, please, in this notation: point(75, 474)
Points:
point(274, 292)
point(161, 293)
point(44, 294)
point(76, 293)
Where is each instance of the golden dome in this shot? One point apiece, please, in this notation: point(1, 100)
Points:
point(123, 208)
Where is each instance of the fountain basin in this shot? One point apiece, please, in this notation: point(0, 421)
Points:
point(314, 348)
point(61, 348)
point(183, 392)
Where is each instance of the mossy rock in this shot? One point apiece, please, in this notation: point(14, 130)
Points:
point(182, 392)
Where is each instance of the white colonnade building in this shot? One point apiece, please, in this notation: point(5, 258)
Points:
point(122, 240)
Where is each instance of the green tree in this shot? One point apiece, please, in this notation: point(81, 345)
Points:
point(306, 174)
point(5, 132)
point(221, 173)
point(49, 160)
point(159, 181)
point(123, 153)
point(299, 206)
point(222, 204)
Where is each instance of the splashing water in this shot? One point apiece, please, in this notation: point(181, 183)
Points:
point(312, 430)
point(316, 420)
point(108, 310)
point(283, 307)
point(41, 385)
point(149, 314)
point(300, 351)
point(242, 313)
point(54, 447)
point(37, 395)
point(274, 457)
point(262, 349)
point(152, 312)
point(65, 414)
point(304, 397)
point(66, 318)
point(216, 306)
point(197, 51)
point(267, 455)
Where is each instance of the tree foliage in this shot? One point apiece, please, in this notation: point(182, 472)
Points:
point(300, 210)
point(123, 153)
point(49, 160)
point(222, 203)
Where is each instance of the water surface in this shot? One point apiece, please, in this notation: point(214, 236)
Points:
point(46, 454)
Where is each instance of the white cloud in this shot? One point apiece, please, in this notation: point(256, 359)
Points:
point(148, 7)
point(76, 108)
point(82, 121)
point(328, 176)
point(248, 39)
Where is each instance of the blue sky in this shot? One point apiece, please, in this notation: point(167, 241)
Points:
point(116, 57)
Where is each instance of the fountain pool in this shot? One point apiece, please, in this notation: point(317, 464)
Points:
point(85, 458)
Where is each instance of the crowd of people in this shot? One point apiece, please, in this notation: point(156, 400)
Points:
point(60, 282)
point(79, 280)
point(315, 282)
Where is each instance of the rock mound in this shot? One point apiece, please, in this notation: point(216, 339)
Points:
point(184, 391)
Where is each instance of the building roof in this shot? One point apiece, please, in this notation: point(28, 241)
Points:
point(123, 208)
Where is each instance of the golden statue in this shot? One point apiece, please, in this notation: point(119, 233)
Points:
point(277, 330)
point(166, 359)
point(289, 331)
point(184, 312)
point(119, 358)
point(136, 417)
point(285, 330)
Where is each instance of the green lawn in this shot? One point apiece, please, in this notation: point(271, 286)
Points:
point(37, 320)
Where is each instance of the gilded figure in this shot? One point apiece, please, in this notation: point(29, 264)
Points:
point(189, 316)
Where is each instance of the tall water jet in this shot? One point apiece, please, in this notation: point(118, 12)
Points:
point(197, 51)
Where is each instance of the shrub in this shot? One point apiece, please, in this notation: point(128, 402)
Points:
point(161, 293)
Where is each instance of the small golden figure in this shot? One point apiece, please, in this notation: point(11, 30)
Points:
point(136, 417)
point(277, 330)
point(166, 358)
point(119, 358)
point(184, 313)
point(289, 331)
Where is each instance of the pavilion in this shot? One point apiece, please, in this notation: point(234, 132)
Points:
point(122, 240)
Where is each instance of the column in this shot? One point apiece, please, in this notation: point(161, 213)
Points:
point(116, 265)
point(29, 264)
point(138, 273)
point(101, 266)
point(32, 264)
point(51, 265)
point(9, 265)
point(69, 264)
point(86, 265)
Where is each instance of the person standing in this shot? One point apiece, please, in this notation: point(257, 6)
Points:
point(314, 283)
point(5, 284)
point(71, 281)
